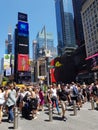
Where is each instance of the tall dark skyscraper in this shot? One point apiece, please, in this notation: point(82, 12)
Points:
point(8, 43)
point(77, 6)
point(21, 49)
point(60, 24)
point(65, 27)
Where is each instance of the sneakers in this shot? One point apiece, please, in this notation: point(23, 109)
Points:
point(78, 108)
point(64, 118)
point(11, 121)
point(37, 113)
point(35, 117)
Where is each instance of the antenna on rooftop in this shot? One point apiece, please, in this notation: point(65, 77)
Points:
point(9, 29)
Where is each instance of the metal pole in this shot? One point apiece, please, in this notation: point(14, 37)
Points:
point(92, 103)
point(47, 70)
point(50, 112)
point(74, 108)
point(15, 118)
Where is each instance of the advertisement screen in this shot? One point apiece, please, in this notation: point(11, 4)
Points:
point(22, 16)
point(8, 71)
point(23, 62)
point(23, 29)
point(6, 61)
point(23, 40)
point(22, 49)
point(93, 61)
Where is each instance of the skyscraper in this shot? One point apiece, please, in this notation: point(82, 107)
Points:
point(8, 43)
point(77, 6)
point(64, 25)
point(45, 42)
point(35, 55)
point(60, 25)
point(90, 26)
point(69, 29)
point(21, 49)
point(89, 14)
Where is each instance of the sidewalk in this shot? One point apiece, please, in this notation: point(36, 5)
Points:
point(86, 119)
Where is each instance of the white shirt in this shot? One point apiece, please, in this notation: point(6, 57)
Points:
point(54, 92)
point(2, 99)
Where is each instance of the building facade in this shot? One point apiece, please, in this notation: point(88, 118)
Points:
point(22, 73)
point(64, 25)
point(69, 29)
point(8, 44)
point(45, 42)
point(90, 26)
point(35, 48)
point(59, 9)
point(77, 6)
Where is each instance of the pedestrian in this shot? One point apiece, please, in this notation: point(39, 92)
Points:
point(10, 96)
point(41, 96)
point(63, 97)
point(54, 99)
point(2, 100)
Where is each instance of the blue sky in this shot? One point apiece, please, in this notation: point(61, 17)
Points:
point(40, 13)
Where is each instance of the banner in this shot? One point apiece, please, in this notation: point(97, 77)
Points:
point(23, 62)
point(8, 71)
point(6, 61)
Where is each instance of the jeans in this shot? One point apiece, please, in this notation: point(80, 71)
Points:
point(55, 101)
point(10, 113)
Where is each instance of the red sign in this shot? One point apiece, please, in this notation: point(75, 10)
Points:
point(23, 62)
point(53, 80)
point(52, 71)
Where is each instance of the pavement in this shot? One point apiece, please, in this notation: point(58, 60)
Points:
point(86, 119)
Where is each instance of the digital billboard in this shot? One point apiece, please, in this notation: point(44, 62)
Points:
point(93, 61)
point(23, 28)
point(6, 61)
point(23, 40)
point(23, 62)
point(8, 71)
point(22, 16)
point(23, 49)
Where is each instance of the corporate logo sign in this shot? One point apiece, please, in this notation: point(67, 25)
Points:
point(22, 17)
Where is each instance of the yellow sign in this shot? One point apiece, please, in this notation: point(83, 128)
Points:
point(58, 64)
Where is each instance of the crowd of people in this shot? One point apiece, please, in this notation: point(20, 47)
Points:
point(31, 99)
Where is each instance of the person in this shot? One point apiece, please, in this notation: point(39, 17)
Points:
point(10, 96)
point(63, 97)
point(34, 100)
point(20, 97)
point(75, 94)
point(54, 99)
point(41, 96)
point(2, 100)
point(84, 92)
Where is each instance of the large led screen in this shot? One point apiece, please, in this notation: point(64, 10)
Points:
point(7, 60)
point(23, 62)
point(93, 61)
point(22, 16)
point(23, 29)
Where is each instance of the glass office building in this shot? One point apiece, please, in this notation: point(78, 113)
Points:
point(45, 41)
point(77, 6)
point(62, 18)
